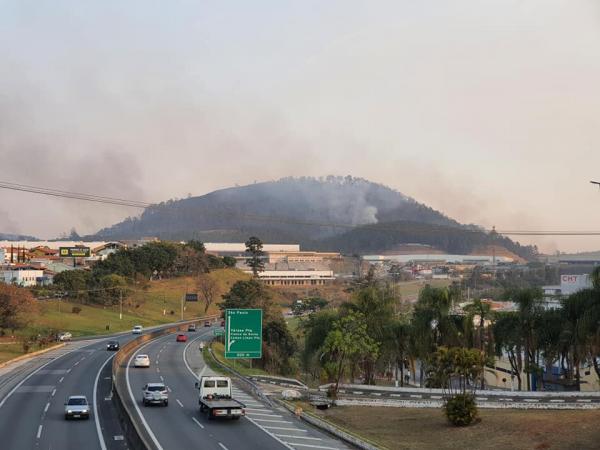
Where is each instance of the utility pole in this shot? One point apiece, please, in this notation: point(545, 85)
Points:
point(120, 304)
point(182, 297)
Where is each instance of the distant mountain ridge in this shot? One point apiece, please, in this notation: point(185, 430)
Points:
point(331, 213)
point(16, 237)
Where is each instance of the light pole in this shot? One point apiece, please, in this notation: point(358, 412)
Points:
point(120, 304)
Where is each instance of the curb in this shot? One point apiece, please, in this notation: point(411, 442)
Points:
point(331, 429)
point(30, 355)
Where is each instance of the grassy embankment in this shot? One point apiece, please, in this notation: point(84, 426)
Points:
point(407, 428)
point(144, 307)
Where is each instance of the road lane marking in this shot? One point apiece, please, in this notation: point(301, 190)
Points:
point(557, 401)
point(416, 396)
point(272, 421)
point(436, 397)
point(53, 392)
point(506, 399)
point(61, 379)
point(314, 446)
point(299, 437)
point(68, 370)
point(584, 400)
point(95, 403)
point(256, 409)
point(39, 433)
point(161, 378)
point(76, 364)
point(198, 423)
point(223, 447)
point(531, 400)
point(285, 444)
point(481, 399)
point(263, 414)
point(47, 406)
point(180, 404)
point(395, 395)
point(285, 429)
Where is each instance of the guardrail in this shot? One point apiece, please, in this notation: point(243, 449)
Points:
point(137, 436)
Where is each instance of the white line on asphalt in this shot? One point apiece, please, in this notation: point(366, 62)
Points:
point(266, 415)
point(531, 400)
point(557, 401)
point(223, 447)
point(47, 406)
point(284, 428)
point(506, 399)
point(198, 423)
point(137, 408)
point(416, 396)
point(481, 399)
point(257, 409)
point(272, 421)
point(185, 360)
point(76, 364)
point(584, 400)
point(158, 369)
point(68, 370)
point(161, 378)
point(436, 397)
point(285, 444)
point(39, 433)
point(180, 404)
point(95, 403)
point(53, 392)
point(395, 395)
point(314, 446)
point(61, 379)
point(299, 437)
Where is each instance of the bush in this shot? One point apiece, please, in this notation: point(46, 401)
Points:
point(75, 309)
point(461, 409)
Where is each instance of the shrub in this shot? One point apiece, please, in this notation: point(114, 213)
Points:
point(461, 409)
point(75, 309)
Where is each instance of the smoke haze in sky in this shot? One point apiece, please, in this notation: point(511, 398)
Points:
point(486, 110)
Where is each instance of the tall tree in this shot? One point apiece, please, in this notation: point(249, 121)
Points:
point(17, 307)
point(208, 289)
point(255, 255)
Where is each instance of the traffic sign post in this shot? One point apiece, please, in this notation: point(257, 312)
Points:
point(243, 333)
point(218, 332)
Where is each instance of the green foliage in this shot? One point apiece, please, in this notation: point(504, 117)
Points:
point(310, 304)
point(75, 309)
point(229, 261)
point(455, 369)
point(254, 251)
point(461, 409)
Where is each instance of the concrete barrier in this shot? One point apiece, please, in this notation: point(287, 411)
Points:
point(136, 434)
point(31, 355)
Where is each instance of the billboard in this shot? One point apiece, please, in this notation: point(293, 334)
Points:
point(191, 297)
point(74, 252)
point(569, 284)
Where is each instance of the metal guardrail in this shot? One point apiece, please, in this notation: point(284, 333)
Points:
point(137, 436)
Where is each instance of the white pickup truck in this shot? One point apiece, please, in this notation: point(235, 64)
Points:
point(216, 399)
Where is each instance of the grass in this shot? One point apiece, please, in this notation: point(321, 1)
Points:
point(411, 428)
point(147, 307)
point(409, 290)
point(243, 366)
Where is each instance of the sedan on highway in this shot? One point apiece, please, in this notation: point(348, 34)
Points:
point(155, 393)
point(77, 407)
point(112, 346)
point(192, 327)
point(137, 329)
point(141, 361)
point(181, 338)
point(206, 323)
point(65, 336)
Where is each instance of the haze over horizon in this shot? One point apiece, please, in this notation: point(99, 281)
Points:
point(487, 111)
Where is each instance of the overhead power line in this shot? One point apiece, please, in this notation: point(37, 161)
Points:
point(431, 228)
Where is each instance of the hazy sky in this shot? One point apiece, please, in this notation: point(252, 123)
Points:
point(488, 110)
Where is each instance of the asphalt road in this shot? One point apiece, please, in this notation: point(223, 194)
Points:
point(180, 425)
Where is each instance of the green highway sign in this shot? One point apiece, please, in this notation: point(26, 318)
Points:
point(243, 333)
point(218, 332)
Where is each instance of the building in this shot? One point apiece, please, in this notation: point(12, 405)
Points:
point(296, 277)
point(23, 275)
point(569, 284)
point(238, 249)
point(439, 259)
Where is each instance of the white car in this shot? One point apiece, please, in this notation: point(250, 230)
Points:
point(137, 329)
point(77, 407)
point(141, 361)
point(65, 336)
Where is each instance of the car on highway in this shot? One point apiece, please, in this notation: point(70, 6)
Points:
point(137, 329)
point(77, 407)
point(112, 346)
point(206, 323)
point(155, 394)
point(181, 338)
point(141, 361)
point(223, 323)
point(192, 327)
point(65, 336)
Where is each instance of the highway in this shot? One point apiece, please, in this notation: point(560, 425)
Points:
point(180, 425)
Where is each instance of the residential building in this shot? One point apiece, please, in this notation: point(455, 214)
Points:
point(23, 275)
point(296, 277)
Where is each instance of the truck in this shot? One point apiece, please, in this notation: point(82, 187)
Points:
point(216, 400)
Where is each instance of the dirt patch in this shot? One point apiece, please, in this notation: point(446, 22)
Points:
point(404, 428)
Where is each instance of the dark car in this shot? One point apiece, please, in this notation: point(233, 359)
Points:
point(222, 323)
point(181, 338)
point(112, 346)
point(192, 327)
point(206, 323)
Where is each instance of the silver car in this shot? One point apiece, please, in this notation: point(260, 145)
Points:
point(155, 393)
point(77, 407)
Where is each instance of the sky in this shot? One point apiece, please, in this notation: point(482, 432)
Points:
point(488, 110)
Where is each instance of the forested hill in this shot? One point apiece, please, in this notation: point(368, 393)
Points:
point(309, 211)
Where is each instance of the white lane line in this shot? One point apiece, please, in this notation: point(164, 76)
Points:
point(257, 409)
point(436, 397)
point(395, 395)
point(531, 400)
point(185, 359)
point(263, 414)
point(506, 399)
point(198, 423)
point(314, 446)
point(272, 421)
point(47, 406)
point(137, 408)
point(68, 370)
point(481, 399)
point(416, 396)
point(557, 401)
point(584, 400)
point(286, 429)
point(95, 402)
point(285, 444)
point(76, 364)
point(39, 433)
point(61, 379)
point(53, 392)
point(161, 378)
point(223, 447)
point(299, 437)
point(158, 369)
point(178, 402)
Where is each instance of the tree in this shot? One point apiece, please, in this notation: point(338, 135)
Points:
point(208, 288)
point(74, 282)
point(254, 251)
point(229, 261)
point(346, 345)
point(17, 306)
point(508, 340)
point(528, 301)
point(111, 289)
point(315, 329)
